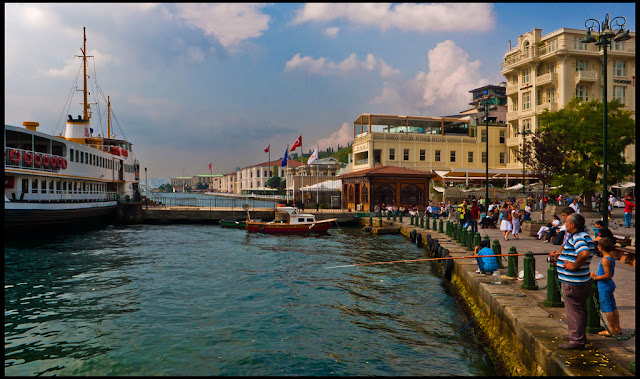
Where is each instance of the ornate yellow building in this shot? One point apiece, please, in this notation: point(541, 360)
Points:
point(546, 72)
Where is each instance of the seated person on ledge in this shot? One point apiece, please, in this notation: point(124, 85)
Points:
point(486, 265)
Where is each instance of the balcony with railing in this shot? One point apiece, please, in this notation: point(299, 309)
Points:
point(511, 88)
point(512, 115)
point(551, 107)
point(549, 77)
point(513, 141)
point(586, 76)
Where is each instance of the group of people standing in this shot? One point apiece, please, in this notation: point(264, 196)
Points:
point(511, 217)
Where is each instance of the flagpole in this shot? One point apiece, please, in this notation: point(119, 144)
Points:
point(285, 175)
point(317, 178)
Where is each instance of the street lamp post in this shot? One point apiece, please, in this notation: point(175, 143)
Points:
point(605, 35)
point(486, 104)
point(525, 132)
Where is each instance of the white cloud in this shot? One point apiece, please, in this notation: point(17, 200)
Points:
point(442, 90)
point(332, 32)
point(341, 137)
point(229, 23)
point(405, 16)
point(324, 66)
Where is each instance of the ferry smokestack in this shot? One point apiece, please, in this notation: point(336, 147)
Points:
point(31, 125)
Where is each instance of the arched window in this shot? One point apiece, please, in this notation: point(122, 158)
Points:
point(383, 194)
point(412, 195)
point(351, 194)
point(364, 194)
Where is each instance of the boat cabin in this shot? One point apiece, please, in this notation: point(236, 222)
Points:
point(292, 215)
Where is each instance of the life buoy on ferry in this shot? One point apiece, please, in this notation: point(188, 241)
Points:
point(28, 158)
point(53, 162)
point(261, 227)
point(63, 164)
point(37, 159)
point(45, 160)
point(14, 156)
point(60, 159)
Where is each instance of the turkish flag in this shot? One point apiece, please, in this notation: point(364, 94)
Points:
point(267, 149)
point(209, 166)
point(297, 143)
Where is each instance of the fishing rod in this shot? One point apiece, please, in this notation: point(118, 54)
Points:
point(433, 259)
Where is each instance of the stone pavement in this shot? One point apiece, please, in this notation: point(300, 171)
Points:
point(620, 352)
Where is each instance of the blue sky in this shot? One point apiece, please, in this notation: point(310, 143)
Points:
point(197, 83)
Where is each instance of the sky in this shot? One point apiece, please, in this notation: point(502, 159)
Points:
point(193, 84)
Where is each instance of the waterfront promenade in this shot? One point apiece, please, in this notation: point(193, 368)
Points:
point(544, 326)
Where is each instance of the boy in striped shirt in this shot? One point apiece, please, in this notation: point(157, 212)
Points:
point(575, 279)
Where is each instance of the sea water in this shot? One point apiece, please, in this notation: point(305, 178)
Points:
point(202, 300)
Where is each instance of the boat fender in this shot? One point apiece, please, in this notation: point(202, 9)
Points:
point(63, 164)
point(448, 266)
point(440, 252)
point(45, 160)
point(15, 156)
point(412, 236)
point(53, 162)
point(261, 227)
point(28, 158)
point(37, 159)
point(419, 240)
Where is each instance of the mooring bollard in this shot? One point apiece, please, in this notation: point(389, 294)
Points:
point(380, 218)
point(400, 217)
point(529, 280)
point(422, 222)
point(470, 239)
point(411, 220)
point(394, 216)
point(476, 240)
point(388, 216)
point(371, 219)
point(426, 223)
point(593, 318)
point(497, 250)
point(441, 226)
point(512, 264)
point(554, 297)
point(447, 231)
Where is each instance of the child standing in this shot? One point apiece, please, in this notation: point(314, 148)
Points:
point(606, 286)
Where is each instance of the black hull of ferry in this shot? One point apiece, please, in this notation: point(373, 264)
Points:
point(56, 220)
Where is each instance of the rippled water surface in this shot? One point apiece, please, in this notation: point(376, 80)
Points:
point(201, 300)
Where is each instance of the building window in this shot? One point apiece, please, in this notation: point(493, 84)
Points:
point(423, 154)
point(502, 136)
point(483, 135)
point(501, 158)
point(619, 92)
point(552, 45)
point(577, 44)
point(470, 158)
point(484, 157)
point(392, 154)
point(406, 154)
point(551, 95)
point(582, 92)
point(452, 157)
point(437, 157)
point(620, 68)
point(582, 65)
point(71, 155)
point(526, 75)
point(619, 46)
point(526, 101)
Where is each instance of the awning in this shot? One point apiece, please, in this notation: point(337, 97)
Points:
point(328, 185)
point(624, 185)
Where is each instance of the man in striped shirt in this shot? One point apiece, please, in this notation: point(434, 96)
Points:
point(575, 279)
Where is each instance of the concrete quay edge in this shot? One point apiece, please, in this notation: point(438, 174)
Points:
point(523, 334)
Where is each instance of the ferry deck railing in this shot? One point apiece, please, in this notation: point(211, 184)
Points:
point(20, 163)
point(62, 196)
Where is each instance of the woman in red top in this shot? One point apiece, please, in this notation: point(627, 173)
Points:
point(628, 209)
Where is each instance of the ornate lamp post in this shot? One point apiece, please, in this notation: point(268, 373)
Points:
point(524, 132)
point(486, 104)
point(604, 36)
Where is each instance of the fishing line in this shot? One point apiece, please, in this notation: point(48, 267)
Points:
point(428, 259)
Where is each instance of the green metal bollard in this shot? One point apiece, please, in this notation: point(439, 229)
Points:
point(476, 240)
point(593, 318)
point(371, 219)
point(435, 225)
point(470, 240)
point(465, 237)
point(422, 222)
point(448, 229)
point(411, 220)
point(394, 216)
point(529, 280)
point(426, 223)
point(388, 216)
point(441, 226)
point(512, 264)
point(554, 297)
point(400, 218)
point(497, 250)
point(456, 232)
point(380, 218)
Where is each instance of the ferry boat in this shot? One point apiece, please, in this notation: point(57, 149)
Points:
point(290, 220)
point(71, 178)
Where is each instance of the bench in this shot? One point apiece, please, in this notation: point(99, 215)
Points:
point(623, 239)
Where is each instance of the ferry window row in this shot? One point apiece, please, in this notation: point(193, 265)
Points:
point(91, 159)
point(62, 186)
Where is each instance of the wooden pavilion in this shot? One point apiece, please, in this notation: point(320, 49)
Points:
point(362, 190)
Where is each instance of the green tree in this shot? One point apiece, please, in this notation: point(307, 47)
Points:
point(273, 182)
point(581, 125)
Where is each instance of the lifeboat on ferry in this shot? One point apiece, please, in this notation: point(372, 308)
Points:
point(124, 152)
point(115, 150)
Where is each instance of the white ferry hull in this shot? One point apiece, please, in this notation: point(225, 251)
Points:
point(26, 215)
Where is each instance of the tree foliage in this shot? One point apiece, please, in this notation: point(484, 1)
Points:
point(579, 127)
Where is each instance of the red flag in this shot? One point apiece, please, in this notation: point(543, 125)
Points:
point(209, 166)
point(297, 143)
point(267, 149)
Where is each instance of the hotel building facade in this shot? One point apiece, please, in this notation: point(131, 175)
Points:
point(547, 71)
